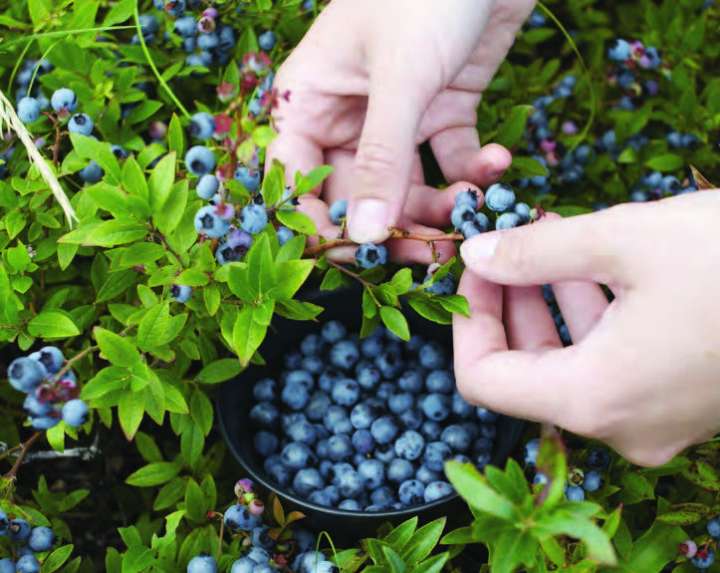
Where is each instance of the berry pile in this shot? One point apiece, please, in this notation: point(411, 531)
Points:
point(366, 425)
point(25, 542)
point(701, 553)
point(580, 481)
point(500, 200)
point(51, 389)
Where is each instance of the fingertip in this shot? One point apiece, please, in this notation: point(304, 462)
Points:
point(490, 163)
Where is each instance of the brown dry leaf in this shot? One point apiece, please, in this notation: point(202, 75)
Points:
point(702, 182)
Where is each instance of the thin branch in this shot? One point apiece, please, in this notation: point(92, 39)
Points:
point(366, 284)
point(23, 452)
point(395, 233)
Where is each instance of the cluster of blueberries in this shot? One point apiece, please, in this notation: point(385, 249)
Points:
point(560, 325)
point(51, 391)
point(367, 255)
point(702, 557)
point(263, 554)
point(630, 58)
point(655, 185)
point(500, 199)
point(25, 541)
point(366, 425)
point(580, 481)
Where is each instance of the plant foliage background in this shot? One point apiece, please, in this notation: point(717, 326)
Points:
point(135, 488)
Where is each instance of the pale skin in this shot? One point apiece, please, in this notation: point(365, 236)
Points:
point(372, 80)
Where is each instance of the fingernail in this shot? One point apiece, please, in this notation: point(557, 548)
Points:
point(368, 221)
point(479, 250)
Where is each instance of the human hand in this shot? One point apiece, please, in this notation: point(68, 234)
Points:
point(371, 81)
point(644, 372)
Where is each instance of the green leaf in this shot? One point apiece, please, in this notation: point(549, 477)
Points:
point(473, 488)
point(666, 162)
point(131, 409)
point(595, 539)
point(133, 179)
point(170, 215)
point(57, 559)
point(120, 12)
point(148, 448)
point(56, 437)
point(262, 273)
point(137, 558)
point(429, 309)
point(528, 167)
point(201, 411)
point(116, 349)
point(513, 128)
point(52, 324)
point(401, 281)
point(169, 494)
point(511, 549)
point(297, 310)
point(176, 136)
point(297, 221)
point(219, 371)
point(636, 488)
point(703, 475)
point(654, 549)
point(154, 327)
point(291, 275)
point(333, 279)
point(161, 182)
point(395, 321)
point(262, 136)
point(211, 296)
point(248, 332)
point(195, 502)
point(393, 560)
point(424, 541)
point(434, 564)
point(98, 151)
point(273, 183)
point(401, 535)
point(106, 233)
point(306, 183)
point(455, 303)
point(153, 474)
point(685, 514)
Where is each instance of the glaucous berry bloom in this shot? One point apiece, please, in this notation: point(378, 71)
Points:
point(28, 109)
point(63, 100)
point(338, 211)
point(209, 223)
point(181, 293)
point(234, 247)
point(75, 413)
point(250, 178)
point(26, 374)
point(200, 160)
point(81, 123)
point(499, 197)
point(203, 563)
point(369, 255)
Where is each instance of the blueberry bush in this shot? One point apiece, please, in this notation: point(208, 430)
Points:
point(146, 248)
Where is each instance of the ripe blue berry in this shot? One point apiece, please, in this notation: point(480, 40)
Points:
point(284, 235)
point(347, 505)
point(307, 480)
point(338, 211)
point(295, 396)
point(435, 455)
point(75, 413)
point(339, 447)
point(703, 559)
point(411, 492)
point(181, 293)
point(411, 381)
point(44, 422)
point(51, 357)
point(440, 381)
point(28, 109)
point(363, 442)
point(238, 518)
point(264, 414)
point(203, 563)
point(344, 354)
point(384, 430)
point(593, 481)
point(296, 456)
point(7, 565)
point(460, 407)
point(532, 448)
point(598, 458)
point(185, 26)
point(266, 443)
point(253, 218)
point(27, 564)
point(346, 392)
point(81, 123)
point(713, 527)
point(207, 186)
point(209, 223)
point(620, 50)
point(91, 173)
point(25, 374)
point(574, 493)
point(431, 356)
point(41, 539)
point(317, 406)
point(337, 421)
point(400, 470)
point(18, 530)
point(370, 255)
point(234, 247)
point(267, 40)
point(437, 490)
point(243, 565)
point(200, 160)
point(499, 197)
point(250, 178)
point(410, 445)
point(202, 124)
point(457, 437)
point(468, 197)
point(63, 100)
point(508, 221)
point(436, 406)
point(426, 475)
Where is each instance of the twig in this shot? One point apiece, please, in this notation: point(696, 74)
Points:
point(367, 284)
point(220, 539)
point(395, 233)
point(23, 452)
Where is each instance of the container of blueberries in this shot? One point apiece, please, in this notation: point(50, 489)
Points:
point(354, 432)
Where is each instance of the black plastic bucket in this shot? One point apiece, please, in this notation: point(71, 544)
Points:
point(235, 400)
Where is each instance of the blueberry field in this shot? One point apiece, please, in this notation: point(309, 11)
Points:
point(202, 372)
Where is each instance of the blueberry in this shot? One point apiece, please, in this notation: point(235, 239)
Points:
point(532, 448)
point(460, 407)
point(411, 381)
point(482, 222)
point(384, 430)
point(264, 414)
point(346, 392)
point(468, 197)
point(456, 437)
point(338, 210)
point(200, 160)
point(333, 331)
point(337, 421)
point(321, 497)
point(440, 381)
point(302, 377)
point(508, 221)
point(574, 493)
point(369, 255)
point(349, 483)
point(347, 505)
point(363, 415)
point(598, 458)
point(382, 496)
point(27, 564)
point(371, 347)
point(292, 360)
point(713, 527)
point(41, 539)
point(481, 460)
point(277, 471)
point(265, 443)
point(344, 354)
point(704, 559)
point(267, 40)
point(435, 455)
point(302, 431)
point(7, 565)
point(295, 396)
point(437, 490)
point(226, 37)
point(201, 59)
point(265, 390)
point(363, 442)
point(81, 123)
point(307, 480)
point(463, 213)
point(399, 403)
point(620, 50)
point(181, 293)
point(44, 422)
point(185, 26)
point(411, 492)
point(431, 430)
point(431, 356)
point(469, 229)
point(253, 218)
point(35, 407)
point(488, 431)
point(426, 475)
point(436, 406)
point(19, 530)
point(411, 419)
point(593, 481)
point(317, 406)
point(284, 235)
point(311, 345)
point(250, 178)
point(207, 186)
point(244, 564)
point(482, 446)
point(400, 470)
point(25, 374)
point(75, 413)
point(63, 100)
point(339, 447)
point(368, 375)
point(523, 211)
point(443, 286)
point(410, 445)
point(385, 454)
point(238, 518)
point(28, 109)
point(91, 173)
point(209, 223)
point(499, 197)
point(485, 416)
point(390, 363)
point(372, 472)
point(259, 555)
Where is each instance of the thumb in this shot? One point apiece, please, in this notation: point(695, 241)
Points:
point(384, 159)
point(588, 247)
